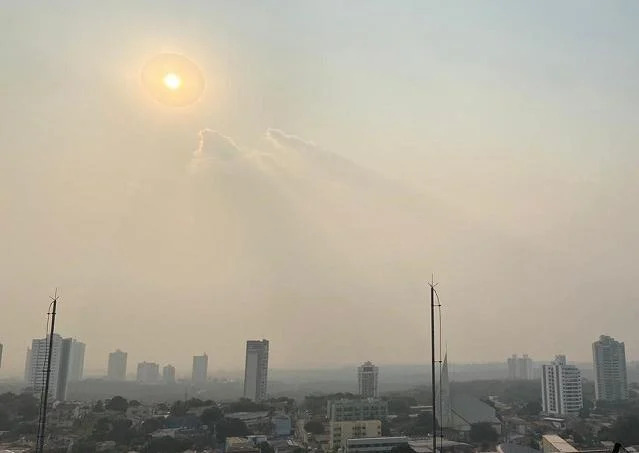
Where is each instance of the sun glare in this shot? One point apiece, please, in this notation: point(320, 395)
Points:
point(172, 81)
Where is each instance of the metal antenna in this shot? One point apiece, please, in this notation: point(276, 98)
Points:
point(42, 423)
point(432, 285)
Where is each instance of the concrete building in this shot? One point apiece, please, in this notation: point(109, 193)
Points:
point(367, 380)
point(609, 361)
point(1, 349)
point(561, 392)
point(117, 366)
point(240, 445)
point(200, 372)
point(374, 444)
point(76, 360)
point(282, 425)
point(552, 443)
point(256, 370)
point(27, 368)
point(340, 432)
point(520, 367)
point(38, 366)
point(361, 409)
point(168, 374)
point(148, 373)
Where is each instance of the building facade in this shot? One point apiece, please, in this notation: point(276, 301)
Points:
point(609, 361)
point(360, 409)
point(561, 391)
point(341, 432)
point(38, 366)
point(256, 370)
point(374, 444)
point(520, 367)
point(117, 366)
point(148, 373)
point(367, 380)
point(76, 360)
point(168, 374)
point(200, 371)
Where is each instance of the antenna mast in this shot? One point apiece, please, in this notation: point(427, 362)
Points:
point(42, 423)
point(432, 360)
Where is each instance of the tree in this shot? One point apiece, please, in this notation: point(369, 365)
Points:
point(99, 406)
point(117, 403)
point(531, 408)
point(624, 430)
point(314, 427)
point(210, 416)
point(152, 424)
point(168, 445)
point(121, 432)
point(230, 427)
point(483, 433)
point(265, 447)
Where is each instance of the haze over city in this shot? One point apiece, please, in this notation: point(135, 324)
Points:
point(340, 154)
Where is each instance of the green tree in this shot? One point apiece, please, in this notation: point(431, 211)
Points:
point(99, 406)
point(121, 432)
point(230, 427)
point(152, 424)
point(117, 403)
point(265, 447)
point(168, 445)
point(210, 416)
point(624, 430)
point(314, 427)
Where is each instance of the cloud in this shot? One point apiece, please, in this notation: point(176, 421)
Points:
point(283, 140)
point(215, 145)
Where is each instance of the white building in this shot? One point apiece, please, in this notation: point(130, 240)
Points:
point(561, 392)
point(341, 432)
point(282, 425)
point(76, 360)
point(256, 370)
point(200, 369)
point(520, 367)
point(148, 373)
point(356, 409)
point(168, 374)
point(38, 366)
point(367, 380)
point(117, 366)
point(609, 360)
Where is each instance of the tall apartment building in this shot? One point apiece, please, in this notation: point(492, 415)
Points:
point(27, 368)
point(356, 409)
point(561, 392)
point(76, 360)
point(168, 374)
point(38, 366)
point(117, 366)
point(340, 432)
point(256, 370)
point(200, 369)
point(1, 349)
point(609, 360)
point(520, 367)
point(367, 380)
point(148, 373)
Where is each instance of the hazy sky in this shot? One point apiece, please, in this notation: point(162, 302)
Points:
point(341, 153)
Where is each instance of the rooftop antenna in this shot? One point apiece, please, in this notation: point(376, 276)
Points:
point(42, 422)
point(432, 285)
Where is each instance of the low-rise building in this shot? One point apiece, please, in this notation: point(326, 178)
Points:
point(240, 445)
point(356, 409)
point(552, 443)
point(374, 444)
point(281, 425)
point(340, 432)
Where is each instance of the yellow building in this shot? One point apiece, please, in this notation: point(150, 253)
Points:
point(551, 443)
point(340, 432)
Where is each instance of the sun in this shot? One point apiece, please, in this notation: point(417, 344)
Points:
point(172, 81)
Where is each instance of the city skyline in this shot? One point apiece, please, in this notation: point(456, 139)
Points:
point(320, 172)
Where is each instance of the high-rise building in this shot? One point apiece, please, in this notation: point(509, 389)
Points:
point(1, 349)
point(609, 360)
point(148, 373)
point(367, 380)
point(561, 392)
point(168, 374)
point(59, 367)
point(256, 370)
point(27, 367)
point(200, 369)
point(520, 367)
point(76, 363)
point(117, 366)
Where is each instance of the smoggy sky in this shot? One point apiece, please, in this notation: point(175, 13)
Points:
point(341, 153)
